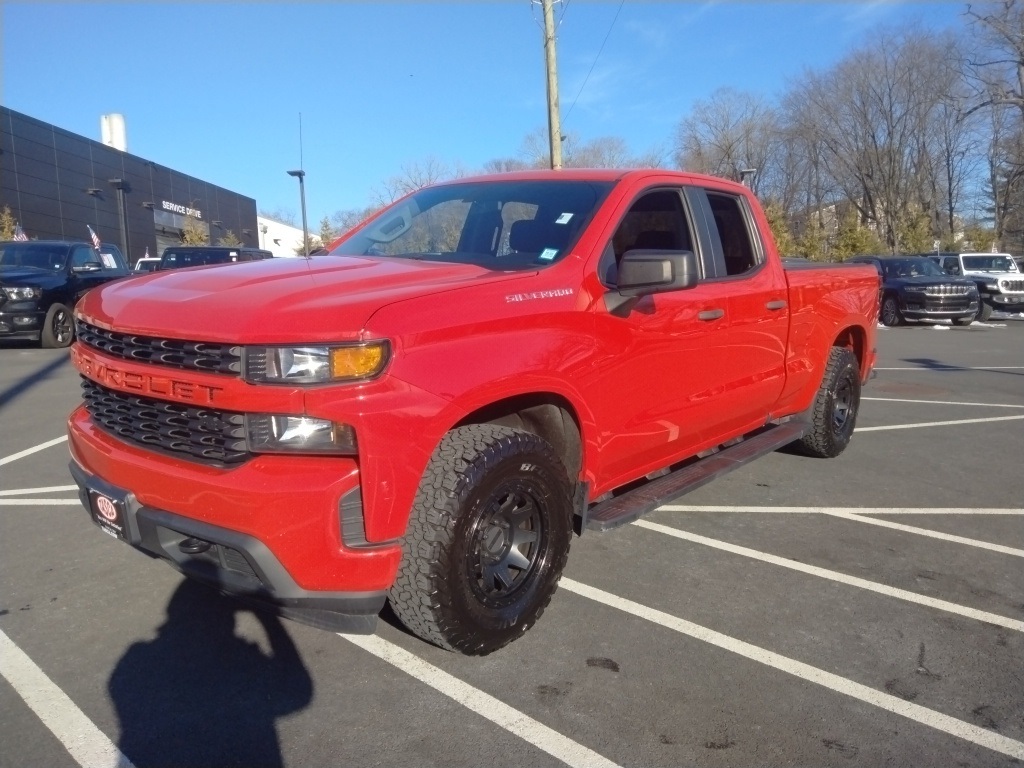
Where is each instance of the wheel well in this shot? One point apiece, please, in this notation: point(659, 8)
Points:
point(545, 415)
point(853, 339)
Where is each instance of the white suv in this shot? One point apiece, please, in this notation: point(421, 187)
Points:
point(1000, 282)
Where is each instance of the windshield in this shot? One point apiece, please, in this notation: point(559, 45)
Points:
point(911, 268)
point(989, 264)
point(37, 255)
point(498, 224)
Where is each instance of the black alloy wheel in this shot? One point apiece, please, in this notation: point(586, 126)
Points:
point(487, 540)
point(58, 328)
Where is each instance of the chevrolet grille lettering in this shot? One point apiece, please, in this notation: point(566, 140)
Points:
point(145, 384)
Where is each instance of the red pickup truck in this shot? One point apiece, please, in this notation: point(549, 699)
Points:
point(426, 414)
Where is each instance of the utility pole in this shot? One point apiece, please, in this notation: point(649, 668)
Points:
point(554, 122)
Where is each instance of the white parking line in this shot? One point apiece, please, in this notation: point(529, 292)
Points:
point(885, 701)
point(86, 743)
point(30, 491)
point(842, 578)
point(938, 402)
point(39, 502)
point(938, 423)
point(848, 510)
point(929, 533)
point(512, 720)
point(30, 451)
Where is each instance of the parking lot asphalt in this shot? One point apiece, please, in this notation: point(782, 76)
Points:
point(861, 611)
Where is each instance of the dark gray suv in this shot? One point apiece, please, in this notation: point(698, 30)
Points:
point(914, 288)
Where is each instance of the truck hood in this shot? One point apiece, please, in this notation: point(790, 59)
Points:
point(328, 298)
point(30, 276)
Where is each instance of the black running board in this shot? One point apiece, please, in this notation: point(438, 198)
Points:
point(636, 503)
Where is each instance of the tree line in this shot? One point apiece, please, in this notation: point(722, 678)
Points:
point(914, 138)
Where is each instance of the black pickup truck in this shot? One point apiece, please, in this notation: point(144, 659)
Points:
point(42, 280)
point(914, 288)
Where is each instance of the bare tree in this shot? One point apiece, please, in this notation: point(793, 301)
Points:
point(281, 214)
point(602, 152)
point(997, 70)
point(727, 133)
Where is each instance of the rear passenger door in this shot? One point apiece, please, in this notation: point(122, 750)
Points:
point(756, 306)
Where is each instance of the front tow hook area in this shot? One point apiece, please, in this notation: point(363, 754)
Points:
point(194, 546)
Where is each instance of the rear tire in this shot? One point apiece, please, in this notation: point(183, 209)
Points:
point(488, 538)
point(58, 329)
point(890, 313)
point(834, 414)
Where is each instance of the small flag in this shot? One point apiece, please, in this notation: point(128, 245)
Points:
point(95, 238)
point(19, 233)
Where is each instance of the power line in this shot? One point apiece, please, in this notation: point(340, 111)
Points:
point(600, 50)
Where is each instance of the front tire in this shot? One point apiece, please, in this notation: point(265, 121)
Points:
point(834, 414)
point(963, 321)
point(890, 314)
point(58, 329)
point(488, 538)
point(984, 312)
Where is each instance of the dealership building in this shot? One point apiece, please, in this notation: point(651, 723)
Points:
point(57, 184)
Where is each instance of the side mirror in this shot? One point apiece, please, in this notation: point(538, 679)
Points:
point(643, 272)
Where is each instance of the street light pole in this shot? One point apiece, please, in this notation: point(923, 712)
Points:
point(301, 175)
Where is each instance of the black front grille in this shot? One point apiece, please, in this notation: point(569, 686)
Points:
point(205, 435)
point(189, 355)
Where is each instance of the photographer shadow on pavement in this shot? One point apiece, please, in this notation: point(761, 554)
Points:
point(200, 695)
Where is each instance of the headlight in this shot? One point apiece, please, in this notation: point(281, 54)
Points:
point(268, 433)
point(315, 364)
point(915, 289)
point(22, 292)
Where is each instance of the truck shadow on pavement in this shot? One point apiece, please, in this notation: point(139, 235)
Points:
point(937, 365)
point(25, 384)
point(200, 695)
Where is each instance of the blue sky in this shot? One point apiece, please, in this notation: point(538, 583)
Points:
point(215, 90)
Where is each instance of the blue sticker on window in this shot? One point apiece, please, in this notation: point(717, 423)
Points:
point(548, 254)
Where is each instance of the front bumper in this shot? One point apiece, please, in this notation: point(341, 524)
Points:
point(273, 526)
point(915, 306)
point(21, 324)
point(1007, 301)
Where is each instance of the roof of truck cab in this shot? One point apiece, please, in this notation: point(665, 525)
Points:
point(592, 174)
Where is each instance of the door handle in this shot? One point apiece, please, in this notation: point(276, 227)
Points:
point(773, 305)
point(711, 314)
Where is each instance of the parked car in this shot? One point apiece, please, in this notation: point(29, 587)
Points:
point(176, 256)
point(1000, 282)
point(42, 280)
point(916, 289)
point(150, 264)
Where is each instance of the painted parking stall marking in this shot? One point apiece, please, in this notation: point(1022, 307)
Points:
point(34, 449)
point(842, 578)
point(86, 743)
point(512, 720)
point(885, 701)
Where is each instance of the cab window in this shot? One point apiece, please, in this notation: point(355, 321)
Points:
point(656, 221)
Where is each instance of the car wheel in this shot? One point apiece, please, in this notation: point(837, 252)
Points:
point(488, 538)
point(984, 312)
point(891, 312)
point(834, 413)
point(58, 329)
point(963, 320)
